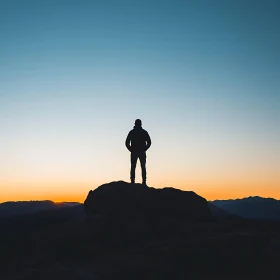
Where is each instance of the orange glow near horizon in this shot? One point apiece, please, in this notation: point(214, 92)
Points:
point(77, 191)
point(60, 175)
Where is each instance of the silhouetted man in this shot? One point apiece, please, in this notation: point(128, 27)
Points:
point(138, 142)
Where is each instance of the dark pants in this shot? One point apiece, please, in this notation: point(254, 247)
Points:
point(133, 158)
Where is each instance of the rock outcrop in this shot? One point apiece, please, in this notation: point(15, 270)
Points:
point(121, 214)
point(137, 201)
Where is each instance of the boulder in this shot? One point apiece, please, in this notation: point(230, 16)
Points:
point(121, 200)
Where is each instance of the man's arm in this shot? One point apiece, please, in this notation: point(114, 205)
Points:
point(149, 142)
point(127, 142)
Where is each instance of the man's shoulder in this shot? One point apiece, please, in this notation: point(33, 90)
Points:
point(145, 131)
point(130, 133)
point(146, 134)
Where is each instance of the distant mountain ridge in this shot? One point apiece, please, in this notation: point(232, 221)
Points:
point(15, 208)
point(252, 207)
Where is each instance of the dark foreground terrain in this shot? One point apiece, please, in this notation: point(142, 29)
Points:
point(126, 231)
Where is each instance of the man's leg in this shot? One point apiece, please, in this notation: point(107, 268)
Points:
point(142, 158)
point(133, 160)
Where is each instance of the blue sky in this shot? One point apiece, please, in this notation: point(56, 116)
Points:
point(202, 75)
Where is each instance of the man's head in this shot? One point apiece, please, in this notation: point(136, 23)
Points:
point(138, 123)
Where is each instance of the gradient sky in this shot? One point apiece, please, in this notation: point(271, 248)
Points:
point(202, 75)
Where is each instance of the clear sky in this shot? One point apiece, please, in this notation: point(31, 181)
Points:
point(202, 75)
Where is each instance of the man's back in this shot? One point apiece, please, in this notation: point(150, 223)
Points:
point(138, 139)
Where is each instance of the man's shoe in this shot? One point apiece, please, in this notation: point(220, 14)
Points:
point(132, 182)
point(144, 183)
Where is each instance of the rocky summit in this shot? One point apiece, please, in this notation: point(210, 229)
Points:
point(140, 201)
